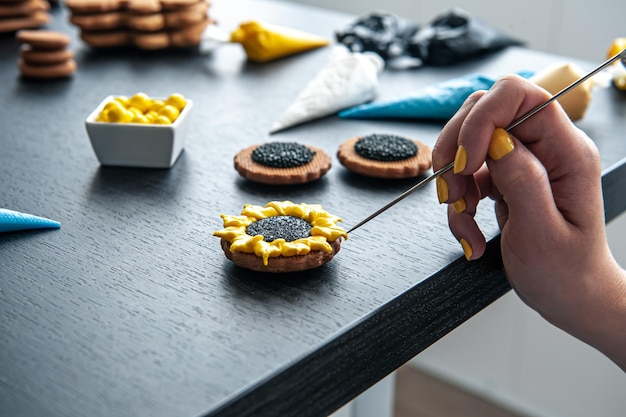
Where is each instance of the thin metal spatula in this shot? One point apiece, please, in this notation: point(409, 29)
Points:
point(509, 127)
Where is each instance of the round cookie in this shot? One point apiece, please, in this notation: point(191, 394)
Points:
point(32, 21)
point(281, 237)
point(44, 57)
point(100, 21)
point(43, 39)
point(23, 8)
point(262, 163)
point(106, 39)
point(60, 70)
point(281, 264)
point(385, 156)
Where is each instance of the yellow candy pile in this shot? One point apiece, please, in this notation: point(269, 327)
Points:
point(140, 108)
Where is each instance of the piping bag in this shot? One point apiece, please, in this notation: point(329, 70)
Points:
point(12, 221)
point(265, 42)
point(437, 102)
point(347, 79)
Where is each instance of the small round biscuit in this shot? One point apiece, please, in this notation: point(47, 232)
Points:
point(44, 57)
point(179, 18)
point(151, 40)
point(43, 39)
point(146, 22)
point(281, 264)
point(190, 35)
point(62, 70)
point(254, 171)
point(33, 21)
point(106, 39)
point(177, 4)
point(23, 8)
point(144, 6)
point(100, 21)
point(402, 168)
point(94, 6)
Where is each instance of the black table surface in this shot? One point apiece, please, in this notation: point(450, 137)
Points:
point(131, 308)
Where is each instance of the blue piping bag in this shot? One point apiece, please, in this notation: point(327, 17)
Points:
point(12, 221)
point(437, 102)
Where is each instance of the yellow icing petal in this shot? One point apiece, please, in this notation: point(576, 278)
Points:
point(264, 42)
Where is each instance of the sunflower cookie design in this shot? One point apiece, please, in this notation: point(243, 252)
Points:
point(385, 156)
point(281, 237)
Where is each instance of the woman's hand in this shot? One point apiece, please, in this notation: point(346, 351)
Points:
point(545, 179)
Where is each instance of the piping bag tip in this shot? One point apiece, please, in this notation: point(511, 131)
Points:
point(12, 221)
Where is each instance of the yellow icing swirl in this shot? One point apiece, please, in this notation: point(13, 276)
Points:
point(324, 229)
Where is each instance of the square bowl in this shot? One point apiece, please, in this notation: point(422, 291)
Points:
point(136, 144)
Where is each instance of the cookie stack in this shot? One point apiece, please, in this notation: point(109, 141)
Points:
point(44, 54)
point(23, 14)
point(146, 24)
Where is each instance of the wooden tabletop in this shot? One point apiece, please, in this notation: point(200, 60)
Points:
point(131, 308)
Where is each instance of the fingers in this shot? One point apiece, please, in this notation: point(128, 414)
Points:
point(511, 97)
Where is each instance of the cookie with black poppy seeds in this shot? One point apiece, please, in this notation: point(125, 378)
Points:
point(282, 163)
point(385, 156)
point(281, 237)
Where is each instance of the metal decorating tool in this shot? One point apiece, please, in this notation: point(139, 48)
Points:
point(508, 128)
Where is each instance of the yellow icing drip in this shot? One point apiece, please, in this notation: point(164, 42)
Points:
point(264, 42)
point(324, 229)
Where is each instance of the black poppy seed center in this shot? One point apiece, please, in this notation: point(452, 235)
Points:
point(282, 154)
point(383, 147)
point(289, 228)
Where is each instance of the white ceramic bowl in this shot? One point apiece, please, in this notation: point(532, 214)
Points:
point(135, 144)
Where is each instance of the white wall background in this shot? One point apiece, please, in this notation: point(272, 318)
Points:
point(507, 352)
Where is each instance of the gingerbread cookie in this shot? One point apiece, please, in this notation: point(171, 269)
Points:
point(43, 39)
point(44, 54)
point(385, 156)
point(34, 20)
point(282, 163)
point(37, 57)
point(147, 24)
point(281, 237)
point(22, 8)
point(100, 21)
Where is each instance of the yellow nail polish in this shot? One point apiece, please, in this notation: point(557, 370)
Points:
point(501, 144)
point(459, 205)
point(460, 159)
point(442, 189)
point(467, 249)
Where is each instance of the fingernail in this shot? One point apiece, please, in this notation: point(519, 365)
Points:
point(467, 249)
point(442, 189)
point(501, 144)
point(460, 159)
point(459, 205)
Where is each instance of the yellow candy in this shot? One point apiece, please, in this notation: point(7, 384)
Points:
point(140, 108)
point(141, 101)
point(176, 100)
point(103, 116)
point(123, 100)
point(151, 115)
point(140, 118)
point(113, 104)
point(170, 112)
point(119, 115)
point(162, 120)
point(156, 105)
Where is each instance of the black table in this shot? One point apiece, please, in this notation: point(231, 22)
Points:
point(131, 308)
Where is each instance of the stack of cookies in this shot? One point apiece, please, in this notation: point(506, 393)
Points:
point(44, 54)
point(23, 14)
point(146, 24)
